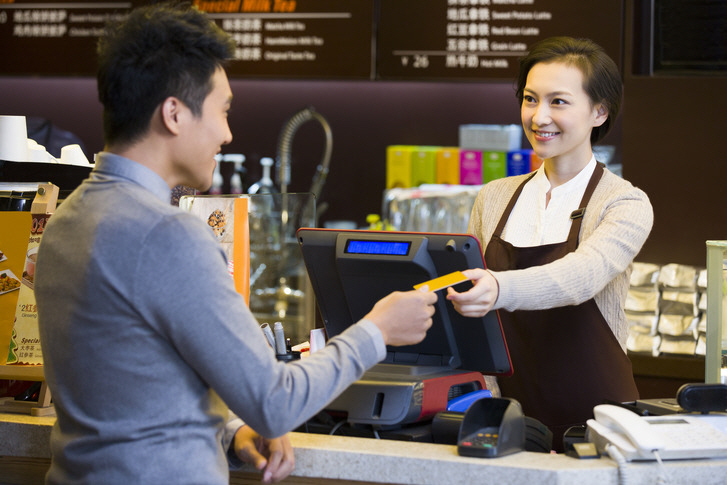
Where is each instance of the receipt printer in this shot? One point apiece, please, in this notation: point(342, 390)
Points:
point(393, 395)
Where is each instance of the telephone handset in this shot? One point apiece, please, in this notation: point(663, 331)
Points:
point(638, 433)
point(671, 437)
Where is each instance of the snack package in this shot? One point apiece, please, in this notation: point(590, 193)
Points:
point(25, 339)
point(227, 217)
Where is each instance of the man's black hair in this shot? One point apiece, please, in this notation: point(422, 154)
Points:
point(157, 51)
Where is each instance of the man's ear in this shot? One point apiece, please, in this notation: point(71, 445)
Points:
point(170, 112)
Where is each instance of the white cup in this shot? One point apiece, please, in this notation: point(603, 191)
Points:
point(317, 339)
point(73, 155)
point(347, 225)
point(13, 138)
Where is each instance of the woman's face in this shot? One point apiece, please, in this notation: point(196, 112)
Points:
point(558, 115)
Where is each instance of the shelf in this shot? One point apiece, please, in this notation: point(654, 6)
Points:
point(671, 366)
point(41, 407)
point(22, 372)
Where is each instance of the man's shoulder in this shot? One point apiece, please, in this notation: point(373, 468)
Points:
point(120, 210)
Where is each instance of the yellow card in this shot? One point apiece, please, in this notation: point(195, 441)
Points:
point(442, 282)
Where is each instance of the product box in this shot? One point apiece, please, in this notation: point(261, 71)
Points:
point(470, 167)
point(447, 165)
point(25, 345)
point(228, 218)
point(518, 162)
point(398, 166)
point(490, 137)
point(535, 161)
point(423, 165)
point(16, 226)
point(494, 165)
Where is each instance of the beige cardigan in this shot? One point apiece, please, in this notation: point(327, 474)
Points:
point(616, 223)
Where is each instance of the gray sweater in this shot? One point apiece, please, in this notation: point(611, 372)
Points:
point(615, 226)
point(146, 343)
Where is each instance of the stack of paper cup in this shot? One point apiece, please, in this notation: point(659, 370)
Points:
point(13, 138)
point(38, 153)
point(73, 155)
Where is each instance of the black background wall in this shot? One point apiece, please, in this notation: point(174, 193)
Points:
point(668, 136)
point(365, 117)
point(672, 127)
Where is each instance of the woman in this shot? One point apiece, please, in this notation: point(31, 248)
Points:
point(560, 243)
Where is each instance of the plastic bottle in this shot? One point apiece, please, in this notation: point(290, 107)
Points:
point(236, 180)
point(216, 177)
point(265, 184)
point(279, 333)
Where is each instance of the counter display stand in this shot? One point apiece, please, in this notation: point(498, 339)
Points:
point(41, 407)
point(715, 369)
point(44, 204)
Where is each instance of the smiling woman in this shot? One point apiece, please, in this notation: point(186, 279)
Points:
point(558, 117)
point(559, 243)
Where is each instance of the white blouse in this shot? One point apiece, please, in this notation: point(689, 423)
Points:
point(531, 223)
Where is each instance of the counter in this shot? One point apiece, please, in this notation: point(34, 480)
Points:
point(323, 459)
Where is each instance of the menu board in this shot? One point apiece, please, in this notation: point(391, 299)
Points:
point(273, 38)
point(297, 38)
point(53, 38)
point(325, 39)
point(483, 39)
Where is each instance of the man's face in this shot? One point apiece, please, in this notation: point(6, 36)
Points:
point(202, 136)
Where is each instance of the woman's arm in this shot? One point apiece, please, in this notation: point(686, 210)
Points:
point(610, 240)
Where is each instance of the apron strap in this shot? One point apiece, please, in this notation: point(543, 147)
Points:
point(506, 213)
point(577, 215)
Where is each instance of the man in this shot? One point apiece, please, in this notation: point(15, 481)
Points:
point(146, 343)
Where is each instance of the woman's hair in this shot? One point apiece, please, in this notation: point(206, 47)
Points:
point(601, 78)
point(157, 51)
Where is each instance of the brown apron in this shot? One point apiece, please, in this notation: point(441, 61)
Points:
point(566, 360)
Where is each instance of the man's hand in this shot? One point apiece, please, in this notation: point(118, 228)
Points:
point(479, 299)
point(404, 317)
point(273, 457)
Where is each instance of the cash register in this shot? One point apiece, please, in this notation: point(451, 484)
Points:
point(350, 270)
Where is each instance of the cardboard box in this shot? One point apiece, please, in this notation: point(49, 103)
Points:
point(447, 166)
point(423, 165)
point(518, 162)
point(398, 166)
point(490, 137)
point(494, 165)
point(535, 161)
point(470, 167)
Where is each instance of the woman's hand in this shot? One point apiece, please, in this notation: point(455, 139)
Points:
point(479, 299)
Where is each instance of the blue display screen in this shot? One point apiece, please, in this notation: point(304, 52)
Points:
point(394, 248)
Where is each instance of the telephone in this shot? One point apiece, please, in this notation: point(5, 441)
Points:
point(670, 437)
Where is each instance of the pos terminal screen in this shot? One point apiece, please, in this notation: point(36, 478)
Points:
point(357, 246)
point(350, 270)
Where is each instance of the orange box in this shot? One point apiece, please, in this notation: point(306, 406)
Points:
point(448, 165)
point(535, 162)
